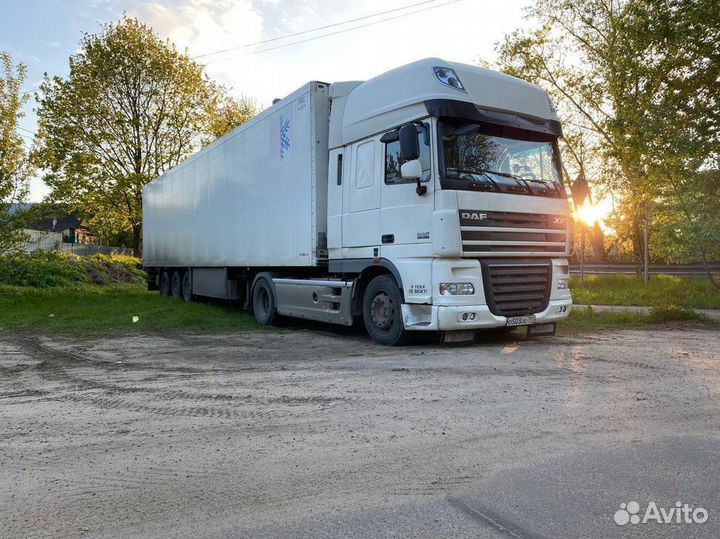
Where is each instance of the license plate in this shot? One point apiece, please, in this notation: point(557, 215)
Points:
point(521, 320)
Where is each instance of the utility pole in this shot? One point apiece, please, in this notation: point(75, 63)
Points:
point(582, 252)
point(646, 248)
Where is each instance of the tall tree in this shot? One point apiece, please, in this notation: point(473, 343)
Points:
point(131, 108)
point(14, 166)
point(227, 114)
point(639, 77)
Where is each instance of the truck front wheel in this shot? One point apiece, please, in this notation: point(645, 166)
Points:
point(263, 302)
point(382, 312)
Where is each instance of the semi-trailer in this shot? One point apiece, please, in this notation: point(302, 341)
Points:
point(428, 198)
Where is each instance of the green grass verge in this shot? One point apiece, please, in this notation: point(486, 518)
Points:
point(690, 292)
point(96, 310)
point(584, 320)
point(93, 311)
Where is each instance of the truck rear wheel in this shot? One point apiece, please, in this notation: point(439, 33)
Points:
point(187, 294)
point(264, 304)
point(176, 285)
point(165, 284)
point(382, 312)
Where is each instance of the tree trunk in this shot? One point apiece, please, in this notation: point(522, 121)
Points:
point(137, 240)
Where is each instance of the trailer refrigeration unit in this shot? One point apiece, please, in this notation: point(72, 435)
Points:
point(428, 198)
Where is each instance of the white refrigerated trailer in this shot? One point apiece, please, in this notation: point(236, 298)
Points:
point(428, 198)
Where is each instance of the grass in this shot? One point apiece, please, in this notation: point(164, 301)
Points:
point(99, 310)
point(688, 292)
point(587, 320)
point(92, 311)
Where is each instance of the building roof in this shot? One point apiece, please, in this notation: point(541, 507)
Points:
point(58, 224)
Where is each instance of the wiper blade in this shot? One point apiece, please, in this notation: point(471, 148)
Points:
point(520, 178)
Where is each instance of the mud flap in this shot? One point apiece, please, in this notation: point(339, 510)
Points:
point(541, 330)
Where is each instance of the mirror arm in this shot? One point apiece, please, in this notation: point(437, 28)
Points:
point(420, 189)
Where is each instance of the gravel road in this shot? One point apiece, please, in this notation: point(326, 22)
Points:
point(308, 433)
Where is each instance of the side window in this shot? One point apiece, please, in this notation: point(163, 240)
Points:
point(393, 162)
point(364, 164)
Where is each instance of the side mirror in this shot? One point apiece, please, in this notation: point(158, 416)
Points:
point(409, 145)
point(412, 170)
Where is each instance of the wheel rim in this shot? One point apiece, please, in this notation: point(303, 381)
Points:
point(382, 311)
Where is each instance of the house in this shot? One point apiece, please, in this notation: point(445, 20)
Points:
point(58, 233)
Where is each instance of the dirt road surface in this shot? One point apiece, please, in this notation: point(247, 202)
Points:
point(307, 433)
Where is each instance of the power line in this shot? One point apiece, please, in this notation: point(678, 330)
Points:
point(338, 31)
point(247, 45)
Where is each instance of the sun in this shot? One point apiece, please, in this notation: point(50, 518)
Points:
point(593, 213)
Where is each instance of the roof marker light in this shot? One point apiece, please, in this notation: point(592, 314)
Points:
point(448, 77)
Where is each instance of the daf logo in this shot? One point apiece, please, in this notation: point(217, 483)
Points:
point(474, 216)
point(559, 220)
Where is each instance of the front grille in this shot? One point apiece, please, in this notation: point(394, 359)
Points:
point(516, 287)
point(512, 232)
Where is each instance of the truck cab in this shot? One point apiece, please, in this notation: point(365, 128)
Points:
point(448, 176)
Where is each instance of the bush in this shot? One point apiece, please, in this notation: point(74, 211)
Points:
point(42, 269)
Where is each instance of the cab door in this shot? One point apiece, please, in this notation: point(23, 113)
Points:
point(405, 216)
point(361, 200)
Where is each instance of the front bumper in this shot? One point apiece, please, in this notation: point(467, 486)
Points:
point(450, 318)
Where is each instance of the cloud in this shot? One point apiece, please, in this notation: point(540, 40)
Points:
point(204, 26)
point(461, 31)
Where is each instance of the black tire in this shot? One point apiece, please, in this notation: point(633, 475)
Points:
point(264, 305)
point(176, 284)
point(187, 294)
point(382, 312)
point(164, 283)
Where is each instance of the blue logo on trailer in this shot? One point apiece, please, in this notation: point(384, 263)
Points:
point(284, 136)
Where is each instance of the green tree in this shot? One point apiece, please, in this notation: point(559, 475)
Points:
point(638, 79)
point(14, 166)
point(131, 108)
point(227, 114)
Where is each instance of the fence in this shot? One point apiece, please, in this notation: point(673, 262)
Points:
point(52, 241)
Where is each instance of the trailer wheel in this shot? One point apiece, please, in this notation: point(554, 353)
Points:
point(382, 312)
point(176, 284)
point(263, 302)
point(165, 284)
point(187, 294)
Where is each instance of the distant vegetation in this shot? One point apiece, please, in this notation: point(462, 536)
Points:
point(53, 270)
point(663, 290)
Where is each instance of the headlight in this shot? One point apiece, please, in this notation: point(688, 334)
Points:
point(457, 289)
point(563, 268)
point(562, 284)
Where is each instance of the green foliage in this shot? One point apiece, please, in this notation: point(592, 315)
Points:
point(663, 290)
point(227, 114)
point(131, 108)
point(51, 269)
point(14, 165)
point(636, 83)
point(93, 311)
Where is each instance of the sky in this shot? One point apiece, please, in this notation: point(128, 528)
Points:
point(44, 33)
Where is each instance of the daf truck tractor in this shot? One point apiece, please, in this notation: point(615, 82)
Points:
point(427, 199)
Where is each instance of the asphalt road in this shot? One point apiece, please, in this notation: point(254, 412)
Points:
point(305, 433)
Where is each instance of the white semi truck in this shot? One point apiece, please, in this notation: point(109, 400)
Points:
point(428, 198)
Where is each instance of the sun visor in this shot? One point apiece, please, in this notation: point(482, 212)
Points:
point(449, 108)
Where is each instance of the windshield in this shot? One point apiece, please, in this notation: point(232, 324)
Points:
point(492, 158)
